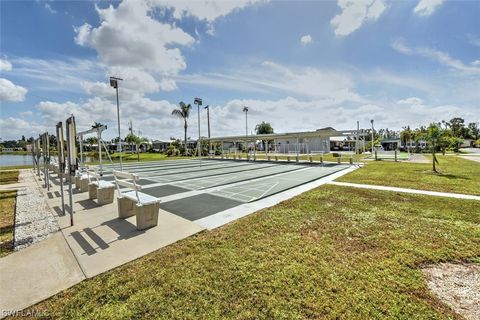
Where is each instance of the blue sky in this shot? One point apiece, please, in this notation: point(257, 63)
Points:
point(298, 65)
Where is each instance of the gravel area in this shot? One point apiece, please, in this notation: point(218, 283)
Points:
point(34, 220)
point(457, 285)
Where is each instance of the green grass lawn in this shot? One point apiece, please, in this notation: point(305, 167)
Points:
point(456, 175)
point(333, 252)
point(7, 221)
point(9, 176)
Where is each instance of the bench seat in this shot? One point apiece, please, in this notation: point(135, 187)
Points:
point(145, 199)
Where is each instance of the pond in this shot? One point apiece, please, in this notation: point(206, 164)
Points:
point(15, 159)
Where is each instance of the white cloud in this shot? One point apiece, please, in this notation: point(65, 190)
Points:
point(427, 7)
point(129, 36)
point(11, 92)
point(411, 101)
point(355, 13)
point(49, 8)
point(306, 39)
point(400, 46)
point(5, 65)
point(436, 55)
point(26, 113)
point(14, 128)
point(207, 10)
point(273, 77)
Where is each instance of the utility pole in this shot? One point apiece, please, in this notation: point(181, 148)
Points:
point(114, 84)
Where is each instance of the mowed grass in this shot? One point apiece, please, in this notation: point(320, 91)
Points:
point(9, 176)
point(333, 253)
point(7, 221)
point(456, 175)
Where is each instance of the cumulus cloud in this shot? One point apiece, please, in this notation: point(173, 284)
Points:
point(129, 36)
point(410, 101)
point(427, 7)
point(5, 65)
point(11, 92)
point(306, 39)
point(355, 13)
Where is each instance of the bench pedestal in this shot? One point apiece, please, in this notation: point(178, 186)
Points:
point(83, 184)
point(126, 207)
point(105, 195)
point(92, 191)
point(147, 215)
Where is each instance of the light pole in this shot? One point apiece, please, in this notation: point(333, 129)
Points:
point(208, 123)
point(245, 109)
point(114, 84)
point(371, 121)
point(198, 102)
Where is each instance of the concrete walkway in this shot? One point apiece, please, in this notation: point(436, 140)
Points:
point(36, 273)
point(405, 190)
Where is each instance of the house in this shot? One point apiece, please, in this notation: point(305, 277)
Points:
point(160, 146)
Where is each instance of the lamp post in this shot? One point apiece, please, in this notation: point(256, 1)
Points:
point(208, 124)
point(245, 109)
point(371, 121)
point(114, 84)
point(198, 102)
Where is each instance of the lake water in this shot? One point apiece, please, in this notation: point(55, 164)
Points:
point(15, 159)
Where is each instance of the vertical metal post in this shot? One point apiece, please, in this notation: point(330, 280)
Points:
point(47, 159)
point(372, 134)
point(72, 159)
point(208, 124)
point(99, 141)
point(198, 102)
point(199, 146)
point(118, 123)
point(61, 161)
point(357, 146)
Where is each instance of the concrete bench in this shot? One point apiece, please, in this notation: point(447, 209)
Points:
point(99, 189)
point(133, 202)
point(81, 179)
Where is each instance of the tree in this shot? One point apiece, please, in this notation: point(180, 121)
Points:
point(96, 125)
point(136, 140)
point(183, 112)
point(458, 127)
point(406, 136)
point(264, 128)
point(474, 130)
point(434, 133)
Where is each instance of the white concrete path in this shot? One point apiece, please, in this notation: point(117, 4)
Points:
point(36, 273)
point(405, 190)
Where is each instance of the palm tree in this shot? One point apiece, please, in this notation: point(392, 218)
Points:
point(136, 140)
point(434, 133)
point(96, 125)
point(183, 112)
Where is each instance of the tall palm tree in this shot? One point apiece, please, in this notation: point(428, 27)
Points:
point(183, 112)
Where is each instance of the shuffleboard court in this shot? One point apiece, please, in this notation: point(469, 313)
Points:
point(258, 189)
point(201, 174)
point(174, 169)
point(195, 192)
point(215, 181)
